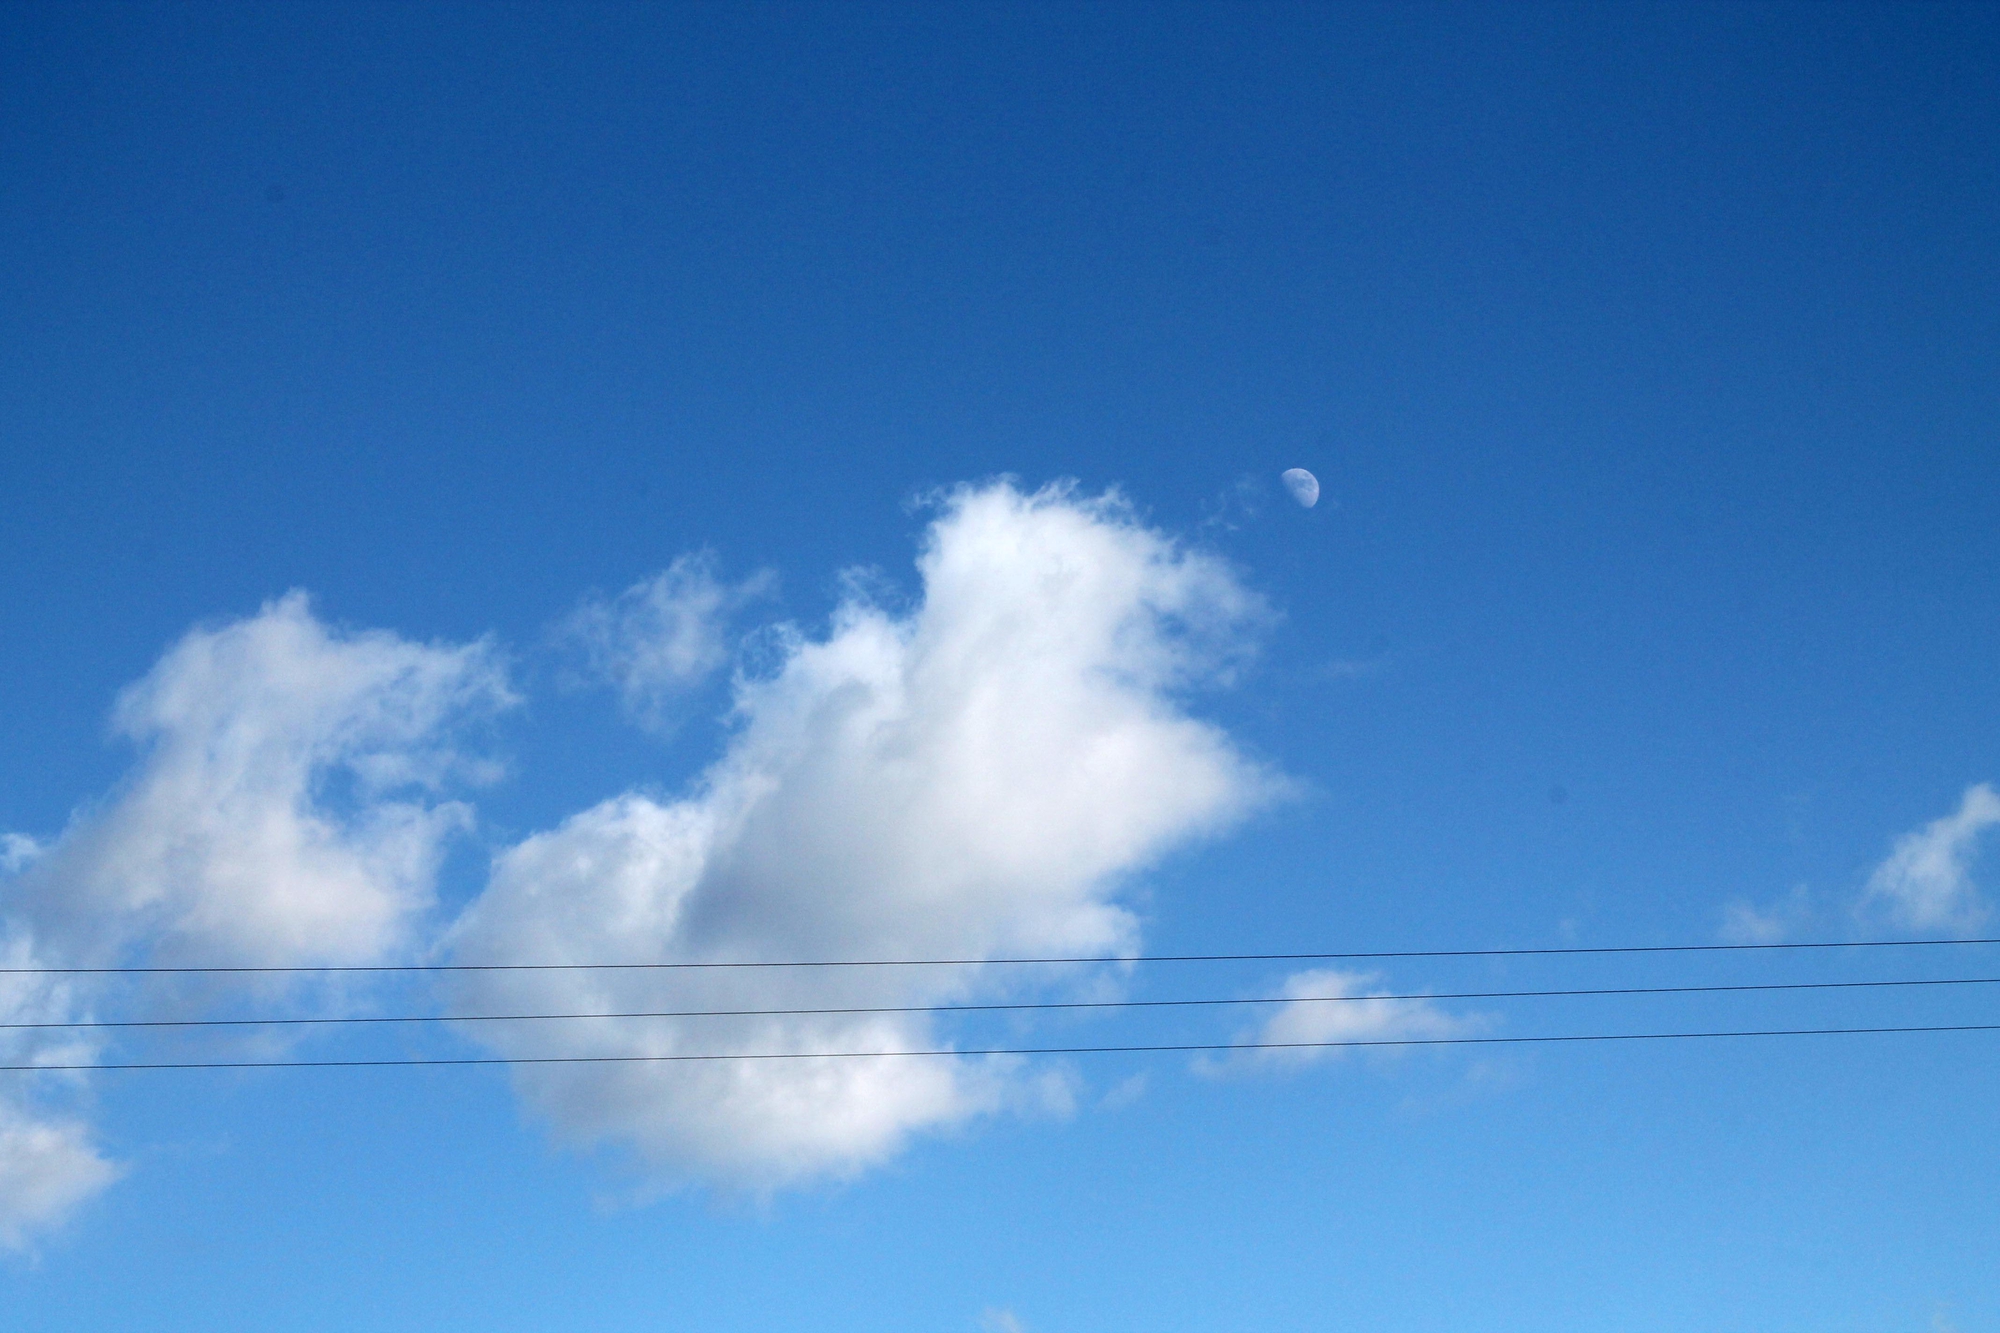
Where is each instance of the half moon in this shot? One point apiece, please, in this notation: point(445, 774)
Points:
point(1303, 485)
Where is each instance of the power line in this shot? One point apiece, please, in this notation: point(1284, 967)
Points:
point(1183, 1048)
point(1349, 956)
point(1024, 1005)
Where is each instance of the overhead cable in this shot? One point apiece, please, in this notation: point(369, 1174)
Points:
point(743, 963)
point(1017, 1006)
point(1177, 1047)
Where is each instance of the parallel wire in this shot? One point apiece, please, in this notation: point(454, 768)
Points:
point(995, 1007)
point(1137, 1048)
point(1182, 1048)
point(1350, 956)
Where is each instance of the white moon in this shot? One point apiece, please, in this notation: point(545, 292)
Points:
point(1303, 485)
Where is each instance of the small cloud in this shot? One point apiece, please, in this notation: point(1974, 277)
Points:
point(1743, 922)
point(1926, 883)
point(1236, 505)
point(1329, 1012)
point(1123, 1094)
point(663, 637)
point(1001, 1321)
point(16, 850)
point(1044, 1094)
point(48, 1169)
point(1354, 668)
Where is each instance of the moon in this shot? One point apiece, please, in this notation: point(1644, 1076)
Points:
point(1303, 485)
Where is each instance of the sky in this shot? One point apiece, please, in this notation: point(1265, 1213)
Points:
point(765, 484)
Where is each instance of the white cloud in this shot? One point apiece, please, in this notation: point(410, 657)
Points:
point(48, 1168)
point(16, 850)
point(995, 1320)
point(1320, 1009)
point(1926, 883)
point(283, 812)
point(1237, 505)
point(48, 1164)
point(1124, 1093)
point(1743, 922)
point(978, 777)
point(660, 638)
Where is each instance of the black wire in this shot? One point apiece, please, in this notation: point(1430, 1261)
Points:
point(993, 962)
point(985, 1008)
point(1190, 1047)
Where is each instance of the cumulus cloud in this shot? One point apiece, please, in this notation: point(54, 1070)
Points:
point(662, 637)
point(978, 776)
point(982, 773)
point(284, 811)
point(1326, 1005)
point(281, 812)
point(1926, 883)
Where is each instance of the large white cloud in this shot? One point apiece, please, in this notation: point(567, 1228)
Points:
point(1926, 882)
point(976, 777)
point(284, 812)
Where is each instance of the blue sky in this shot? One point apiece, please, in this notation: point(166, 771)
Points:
point(771, 481)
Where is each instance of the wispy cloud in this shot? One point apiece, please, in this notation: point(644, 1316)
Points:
point(1236, 505)
point(1326, 1005)
point(1926, 883)
point(1355, 668)
point(662, 637)
point(16, 850)
point(49, 1166)
point(1744, 922)
point(1123, 1093)
point(977, 776)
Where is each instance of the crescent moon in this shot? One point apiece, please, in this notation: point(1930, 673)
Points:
point(1303, 485)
